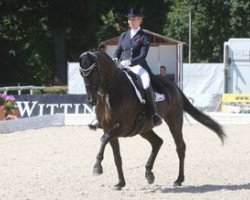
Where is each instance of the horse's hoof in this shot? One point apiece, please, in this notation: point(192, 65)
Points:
point(97, 171)
point(177, 184)
point(117, 188)
point(120, 185)
point(150, 178)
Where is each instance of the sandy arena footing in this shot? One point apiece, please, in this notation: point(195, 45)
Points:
point(56, 163)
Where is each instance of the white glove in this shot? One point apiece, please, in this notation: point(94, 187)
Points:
point(115, 60)
point(125, 63)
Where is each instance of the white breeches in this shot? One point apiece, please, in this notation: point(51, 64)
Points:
point(139, 70)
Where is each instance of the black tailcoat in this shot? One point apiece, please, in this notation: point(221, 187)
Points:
point(134, 49)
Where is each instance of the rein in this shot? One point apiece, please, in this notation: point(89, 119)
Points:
point(87, 72)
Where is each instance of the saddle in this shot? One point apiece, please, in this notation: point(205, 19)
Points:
point(139, 90)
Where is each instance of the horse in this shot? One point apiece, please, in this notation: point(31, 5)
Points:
point(119, 113)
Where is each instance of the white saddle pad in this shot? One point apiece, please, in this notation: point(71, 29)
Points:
point(158, 97)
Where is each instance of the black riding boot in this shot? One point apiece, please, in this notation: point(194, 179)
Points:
point(151, 107)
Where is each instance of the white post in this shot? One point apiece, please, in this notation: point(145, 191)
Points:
point(190, 36)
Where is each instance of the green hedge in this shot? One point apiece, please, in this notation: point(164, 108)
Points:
point(55, 90)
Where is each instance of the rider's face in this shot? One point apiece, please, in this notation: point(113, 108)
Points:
point(134, 22)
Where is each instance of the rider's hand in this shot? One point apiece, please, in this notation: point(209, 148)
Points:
point(115, 60)
point(125, 63)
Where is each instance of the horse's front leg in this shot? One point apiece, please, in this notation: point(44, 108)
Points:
point(118, 162)
point(156, 143)
point(98, 166)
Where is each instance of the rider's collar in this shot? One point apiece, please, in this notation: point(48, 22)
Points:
point(133, 31)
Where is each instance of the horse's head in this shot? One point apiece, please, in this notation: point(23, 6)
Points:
point(99, 73)
point(90, 73)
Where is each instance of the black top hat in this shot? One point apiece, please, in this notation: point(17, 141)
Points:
point(135, 12)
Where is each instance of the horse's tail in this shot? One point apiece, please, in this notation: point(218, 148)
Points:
point(203, 118)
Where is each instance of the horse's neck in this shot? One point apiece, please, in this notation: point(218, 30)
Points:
point(119, 86)
point(113, 80)
point(109, 78)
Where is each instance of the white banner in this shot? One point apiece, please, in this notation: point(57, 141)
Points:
point(75, 80)
point(203, 84)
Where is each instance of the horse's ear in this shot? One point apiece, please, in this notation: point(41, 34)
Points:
point(80, 59)
point(92, 56)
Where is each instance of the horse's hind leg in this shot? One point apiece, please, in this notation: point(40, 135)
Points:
point(98, 167)
point(118, 162)
point(156, 143)
point(175, 125)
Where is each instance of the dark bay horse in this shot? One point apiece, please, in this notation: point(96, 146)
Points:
point(118, 111)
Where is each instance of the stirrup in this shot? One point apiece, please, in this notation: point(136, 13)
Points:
point(94, 126)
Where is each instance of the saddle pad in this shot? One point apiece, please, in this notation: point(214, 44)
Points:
point(138, 94)
point(158, 97)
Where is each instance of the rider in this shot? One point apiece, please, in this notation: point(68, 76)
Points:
point(131, 52)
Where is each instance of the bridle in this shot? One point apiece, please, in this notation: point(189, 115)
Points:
point(87, 72)
point(98, 86)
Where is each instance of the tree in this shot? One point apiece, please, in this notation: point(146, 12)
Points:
point(23, 49)
point(36, 36)
point(113, 20)
point(213, 23)
point(72, 23)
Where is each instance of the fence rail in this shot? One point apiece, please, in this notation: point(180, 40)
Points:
point(19, 89)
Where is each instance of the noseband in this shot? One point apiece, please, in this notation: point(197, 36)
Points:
point(87, 72)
